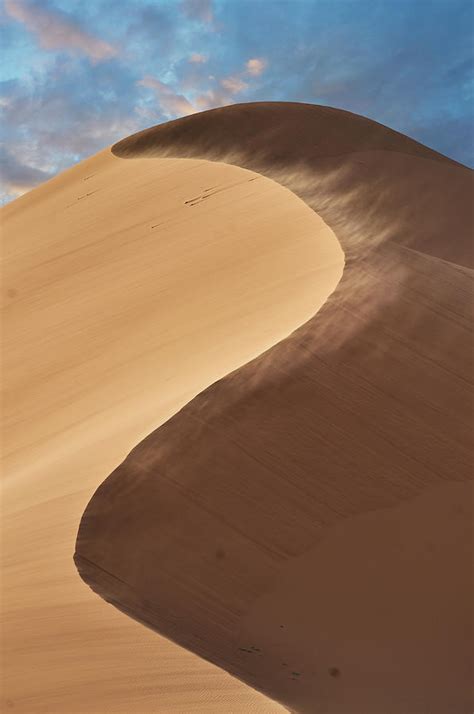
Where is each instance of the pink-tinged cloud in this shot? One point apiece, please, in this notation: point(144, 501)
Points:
point(213, 98)
point(234, 84)
point(171, 103)
point(227, 88)
point(198, 10)
point(256, 66)
point(222, 96)
point(56, 31)
point(196, 58)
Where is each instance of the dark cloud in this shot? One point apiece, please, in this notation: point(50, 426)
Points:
point(18, 176)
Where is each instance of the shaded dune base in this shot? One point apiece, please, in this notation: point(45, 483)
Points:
point(128, 286)
point(305, 521)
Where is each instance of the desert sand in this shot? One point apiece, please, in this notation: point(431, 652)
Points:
point(129, 286)
point(304, 521)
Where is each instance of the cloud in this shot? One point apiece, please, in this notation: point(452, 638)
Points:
point(256, 66)
point(223, 94)
point(173, 104)
point(58, 118)
point(230, 86)
point(18, 177)
point(58, 31)
point(196, 58)
point(200, 10)
point(234, 84)
point(219, 97)
point(61, 103)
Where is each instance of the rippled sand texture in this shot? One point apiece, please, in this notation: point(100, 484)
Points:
point(129, 286)
point(306, 522)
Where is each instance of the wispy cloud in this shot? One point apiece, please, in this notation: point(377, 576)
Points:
point(219, 91)
point(57, 31)
point(172, 103)
point(229, 87)
point(196, 58)
point(256, 66)
point(217, 97)
point(46, 127)
point(18, 177)
point(234, 84)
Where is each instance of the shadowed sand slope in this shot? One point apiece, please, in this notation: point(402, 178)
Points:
point(129, 287)
point(305, 522)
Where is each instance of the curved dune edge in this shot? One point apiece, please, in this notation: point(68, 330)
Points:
point(129, 286)
point(363, 409)
point(328, 157)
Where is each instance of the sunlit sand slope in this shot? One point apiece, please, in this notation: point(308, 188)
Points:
point(305, 522)
point(128, 286)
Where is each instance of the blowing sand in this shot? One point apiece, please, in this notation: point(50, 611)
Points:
point(129, 286)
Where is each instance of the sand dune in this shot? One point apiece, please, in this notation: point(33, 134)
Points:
point(306, 522)
point(129, 286)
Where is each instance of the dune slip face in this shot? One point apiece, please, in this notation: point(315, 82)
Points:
point(128, 288)
point(306, 521)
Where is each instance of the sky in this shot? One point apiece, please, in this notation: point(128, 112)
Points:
point(77, 76)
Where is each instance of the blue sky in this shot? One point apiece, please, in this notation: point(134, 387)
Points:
point(78, 75)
